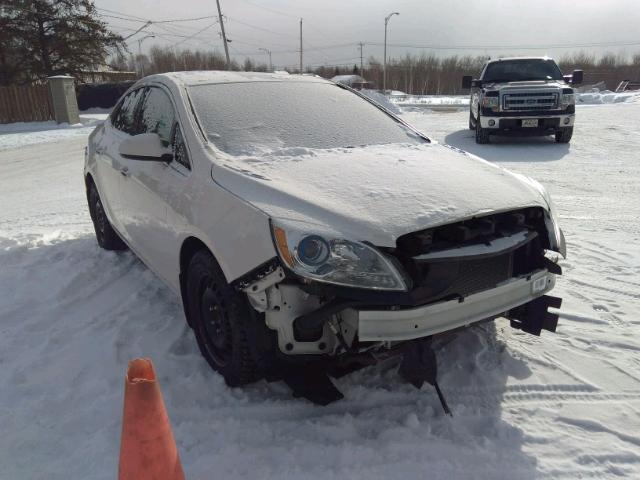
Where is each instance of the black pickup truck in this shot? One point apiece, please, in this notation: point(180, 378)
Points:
point(522, 96)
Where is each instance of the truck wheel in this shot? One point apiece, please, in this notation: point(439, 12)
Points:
point(564, 135)
point(472, 123)
point(105, 234)
point(221, 318)
point(482, 134)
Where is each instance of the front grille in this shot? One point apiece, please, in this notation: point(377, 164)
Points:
point(478, 275)
point(530, 101)
point(435, 277)
point(464, 277)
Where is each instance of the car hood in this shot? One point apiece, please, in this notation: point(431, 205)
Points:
point(375, 193)
point(528, 84)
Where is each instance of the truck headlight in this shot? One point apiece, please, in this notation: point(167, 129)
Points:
point(325, 256)
point(491, 102)
point(567, 99)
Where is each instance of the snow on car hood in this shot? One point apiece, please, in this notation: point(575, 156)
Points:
point(375, 193)
point(524, 84)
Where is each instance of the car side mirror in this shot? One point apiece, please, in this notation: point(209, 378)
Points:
point(466, 81)
point(146, 147)
point(577, 77)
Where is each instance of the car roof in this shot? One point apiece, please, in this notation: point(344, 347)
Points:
point(518, 58)
point(204, 77)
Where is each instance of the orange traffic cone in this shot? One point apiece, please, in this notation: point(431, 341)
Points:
point(147, 448)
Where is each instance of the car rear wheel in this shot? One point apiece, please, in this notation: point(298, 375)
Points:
point(564, 135)
point(472, 122)
point(482, 134)
point(105, 234)
point(221, 318)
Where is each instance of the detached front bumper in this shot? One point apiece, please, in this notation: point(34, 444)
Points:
point(408, 324)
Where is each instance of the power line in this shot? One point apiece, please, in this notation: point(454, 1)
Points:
point(256, 27)
point(195, 34)
point(505, 47)
point(272, 10)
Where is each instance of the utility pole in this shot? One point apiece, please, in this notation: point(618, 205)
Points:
point(301, 46)
point(266, 50)
point(224, 36)
point(140, 52)
point(384, 65)
point(361, 68)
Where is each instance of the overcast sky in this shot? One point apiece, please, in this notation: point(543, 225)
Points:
point(332, 28)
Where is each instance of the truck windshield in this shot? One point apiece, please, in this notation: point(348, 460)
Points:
point(519, 70)
point(257, 117)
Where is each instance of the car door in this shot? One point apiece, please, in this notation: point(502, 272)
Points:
point(109, 163)
point(153, 192)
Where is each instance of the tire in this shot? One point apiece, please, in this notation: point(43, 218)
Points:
point(482, 134)
point(564, 135)
point(107, 237)
point(472, 124)
point(221, 318)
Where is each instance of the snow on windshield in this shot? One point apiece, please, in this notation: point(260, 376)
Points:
point(255, 117)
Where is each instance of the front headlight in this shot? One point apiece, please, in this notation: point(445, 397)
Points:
point(325, 256)
point(567, 99)
point(551, 221)
point(491, 102)
point(556, 237)
point(553, 226)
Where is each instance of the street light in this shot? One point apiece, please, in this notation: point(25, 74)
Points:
point(266, 50)
point(140, 52)
point(384, 65)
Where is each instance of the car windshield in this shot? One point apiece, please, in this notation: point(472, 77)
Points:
point(257, 117)
point(518, 70)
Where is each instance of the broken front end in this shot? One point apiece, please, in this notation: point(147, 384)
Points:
point(433, 281)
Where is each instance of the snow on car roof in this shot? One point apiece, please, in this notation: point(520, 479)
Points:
point(203, 77)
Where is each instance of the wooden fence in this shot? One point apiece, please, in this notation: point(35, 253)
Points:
point(29, 103)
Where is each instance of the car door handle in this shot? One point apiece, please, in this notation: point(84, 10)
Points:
point(124, 171)
point(101, 150)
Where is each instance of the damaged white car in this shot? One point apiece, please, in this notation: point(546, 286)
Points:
point(309, 231)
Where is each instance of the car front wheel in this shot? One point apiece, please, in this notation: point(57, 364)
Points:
point(564, 135)
point(482, 134)
point(105, 234)
point(221, 318)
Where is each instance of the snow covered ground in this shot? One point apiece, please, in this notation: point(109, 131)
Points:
point(15, 135)
point(557, 406)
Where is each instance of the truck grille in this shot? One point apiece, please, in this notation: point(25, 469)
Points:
point(530, 101)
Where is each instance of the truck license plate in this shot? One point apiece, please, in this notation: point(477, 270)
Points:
point(530, 122)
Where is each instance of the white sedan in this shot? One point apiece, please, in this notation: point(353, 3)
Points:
point(307, 229)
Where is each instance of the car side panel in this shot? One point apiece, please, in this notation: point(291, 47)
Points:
point(237, 233)
point(107, 168)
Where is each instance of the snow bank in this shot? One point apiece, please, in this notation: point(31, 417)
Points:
point(597, 97)
point(20, 134)
point(455, 100)
point(439, 102)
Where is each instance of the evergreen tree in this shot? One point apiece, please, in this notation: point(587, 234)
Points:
point(40, 38)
